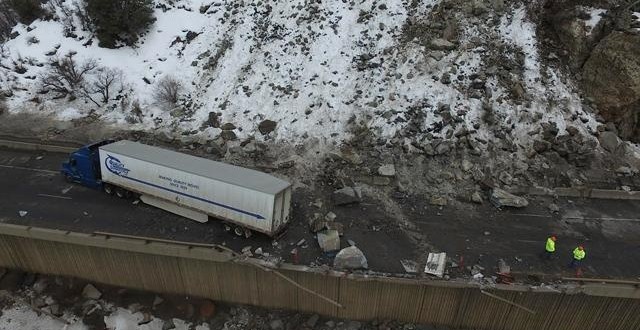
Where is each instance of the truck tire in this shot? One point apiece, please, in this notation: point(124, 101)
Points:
point(239, 231)
point(108, 189)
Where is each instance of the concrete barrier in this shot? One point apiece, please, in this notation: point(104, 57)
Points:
point(35, 146)
point(219, 274)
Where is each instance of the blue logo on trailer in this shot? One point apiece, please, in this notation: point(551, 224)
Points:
point(115, 166)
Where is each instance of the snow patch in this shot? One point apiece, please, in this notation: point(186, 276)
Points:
point(595, 17)
point(21, 316)
point(123, 319)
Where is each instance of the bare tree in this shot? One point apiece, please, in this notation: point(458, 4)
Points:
point(168, 90)
point(106, 81)
point(67, 75)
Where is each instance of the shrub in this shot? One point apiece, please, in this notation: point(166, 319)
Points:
point(106, 82)
point(67, 76)
point(119, 20)
point(168, 90)
point(27, 10)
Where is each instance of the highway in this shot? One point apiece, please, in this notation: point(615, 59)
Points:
point(481, 234)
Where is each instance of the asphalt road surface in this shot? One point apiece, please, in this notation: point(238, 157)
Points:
point(475, 234)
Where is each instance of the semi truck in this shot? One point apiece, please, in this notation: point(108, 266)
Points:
point(196, 188)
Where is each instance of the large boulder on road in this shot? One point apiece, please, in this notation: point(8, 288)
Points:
point(501, 198)
point(350, 258)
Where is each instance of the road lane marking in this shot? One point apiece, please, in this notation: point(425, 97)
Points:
point(54, 196)
point(29, 169)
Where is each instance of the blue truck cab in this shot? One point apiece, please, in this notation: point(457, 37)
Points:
point(83, 165)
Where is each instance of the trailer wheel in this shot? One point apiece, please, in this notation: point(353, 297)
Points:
point(239, 231)
point(108, 189)
point(247, 233)
point(227, 227)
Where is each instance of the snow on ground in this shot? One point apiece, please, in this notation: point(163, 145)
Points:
point(292, 62)
point(124, 319)
point(522, 33)
point(595, 17)
point(22, 317)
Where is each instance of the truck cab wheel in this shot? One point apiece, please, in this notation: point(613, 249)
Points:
point(108, 189)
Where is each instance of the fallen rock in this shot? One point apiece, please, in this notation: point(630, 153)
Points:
point(228, 135)
point(313, 320)
point(228, 127)
point(441, 44)
point(347, 195)
point(476, 197)
point(329, 240)
point(439, 201)
point(466, 165)
point(350, 258)
point(267, 126)
point(501, 198)
point(387, 170)
point(409, 266)
point(381, 180)
point(540, 146)
point(276, 324)
point(624, 170)
point(609, 141)
point(91, 292)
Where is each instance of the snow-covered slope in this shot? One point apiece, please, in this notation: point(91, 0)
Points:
point(318, 69)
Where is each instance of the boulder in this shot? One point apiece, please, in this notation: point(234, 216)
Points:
point(347, 195)
point(228, 127)
point(476, 197)
point(91, 292)
point(387, 170)
point(267, 126)
point(438, 201)
point(214, 119)
point(329, 240)
point(228, 135)
point(609, 141)
point(501, 198)
point(350, 258)
point(441, 44)
point(611, 76)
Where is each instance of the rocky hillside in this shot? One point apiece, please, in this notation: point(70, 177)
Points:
point(459, 95)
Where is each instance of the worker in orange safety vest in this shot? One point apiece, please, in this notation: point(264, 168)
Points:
point(578, 256)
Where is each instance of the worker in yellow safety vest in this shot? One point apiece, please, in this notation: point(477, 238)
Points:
point(578, 256)
point(550, 247)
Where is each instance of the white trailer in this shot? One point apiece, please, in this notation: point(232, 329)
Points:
point(197, 188)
